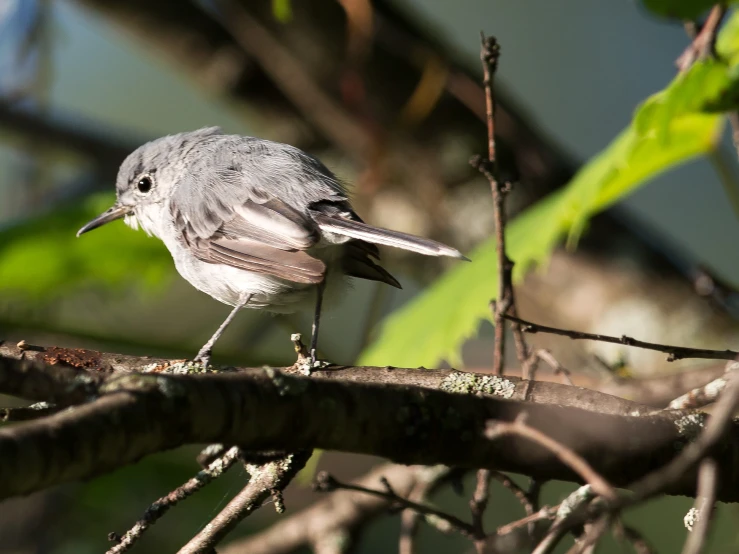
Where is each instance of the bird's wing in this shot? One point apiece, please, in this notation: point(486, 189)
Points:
point(237, 206)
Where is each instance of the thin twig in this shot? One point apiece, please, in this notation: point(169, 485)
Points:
point(569, 510)
point(577, 463)
point(209, 454)
point(478, 503)
point(290, 76)
point(674, 352)
point(161, 506)
point(489, 56)
point(26, 413)
point(529, 368)
point(546, 512)
point(704, 43)
point(660, 479)
point(701, 396)
point(634, 537)
point(523, 497)
point(707, 480)
point(264, 481)
point(326, 483)
point(594, 531)
point(409, 519)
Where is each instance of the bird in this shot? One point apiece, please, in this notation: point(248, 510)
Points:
point(253, 223)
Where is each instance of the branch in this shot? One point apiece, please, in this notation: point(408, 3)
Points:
point(701, 396)
point(138, 414)
point(325, 483)
point(707, 478)
point(340, 511)
point(161, 506)
point(92, 141)
point(719, 426)
point(264, 481)
point(675, 352)
point(704, 42)
point(433, 477)
point(490, 168)
point(496, 429)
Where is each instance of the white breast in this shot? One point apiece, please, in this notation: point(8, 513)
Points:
point(224, 283)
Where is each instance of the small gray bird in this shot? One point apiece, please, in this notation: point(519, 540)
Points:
point(252, 223)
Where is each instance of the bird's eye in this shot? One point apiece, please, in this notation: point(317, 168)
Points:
point(144, 185)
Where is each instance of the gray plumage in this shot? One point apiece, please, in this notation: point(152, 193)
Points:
point(251, 222)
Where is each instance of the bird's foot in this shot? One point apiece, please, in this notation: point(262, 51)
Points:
point(310, 364)
point(203, 357)
point(306, 362)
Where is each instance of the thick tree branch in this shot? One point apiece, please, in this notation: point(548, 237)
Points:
point(137, 414)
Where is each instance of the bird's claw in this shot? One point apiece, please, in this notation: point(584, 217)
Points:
point(307, 365)
point(203, 358)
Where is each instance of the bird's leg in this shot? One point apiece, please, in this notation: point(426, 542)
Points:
point(316, 321)
point(205, 352)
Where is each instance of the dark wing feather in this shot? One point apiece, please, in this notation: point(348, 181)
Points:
point(357, 262)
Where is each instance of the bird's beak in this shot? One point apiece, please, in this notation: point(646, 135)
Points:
point(116, 212)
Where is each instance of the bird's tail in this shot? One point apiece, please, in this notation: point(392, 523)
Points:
point(377, 235)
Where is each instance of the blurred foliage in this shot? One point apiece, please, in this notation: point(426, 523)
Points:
point(679, 9)
point(671, 127)
point(282, 10)
point(42, 258)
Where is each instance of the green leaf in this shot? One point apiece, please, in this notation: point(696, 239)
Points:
point(679, 9)
point(43, 258)
point(434, 325)
point(282, 10)
point(669, 128)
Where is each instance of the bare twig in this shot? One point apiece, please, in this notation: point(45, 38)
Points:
point(703, 44)
point(478, 503)
point(209, 454)
point(264, 481)
point(546, 512)
point(342, 510)
point(525, 498)
point(586, 543)
point(674, 352)
point(505, 303)
point(634, 537)
point(161, 506)
point(26, 413)
point(657, 481)
point(570, 510)
point(714, 430)
point(289, 75)
point(707, 480)
point(326, 483)
point(701, 396)
point(498, 429)
point(529, 368)
point(409, 519)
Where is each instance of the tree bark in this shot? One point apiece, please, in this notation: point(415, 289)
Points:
point(439, 420)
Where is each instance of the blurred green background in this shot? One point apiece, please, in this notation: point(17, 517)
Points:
point(393, 105)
